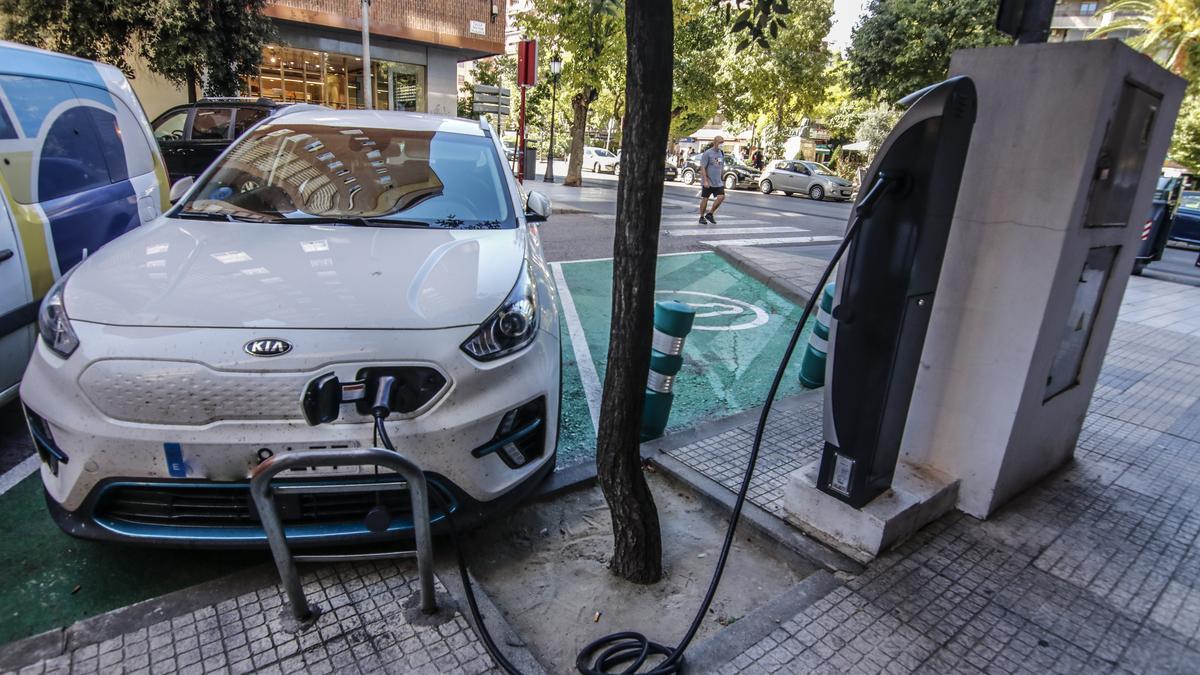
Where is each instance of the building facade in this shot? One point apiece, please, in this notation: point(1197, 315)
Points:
point(416, 46)
point(1074, 20)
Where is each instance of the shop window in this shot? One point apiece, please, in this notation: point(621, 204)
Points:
point(1088, 8)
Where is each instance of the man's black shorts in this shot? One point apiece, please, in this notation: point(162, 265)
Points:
point(711, 191)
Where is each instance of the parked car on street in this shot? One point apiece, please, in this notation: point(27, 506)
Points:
point(192, 135)
point(80, 169)
point(599, 160)
point(669, 170)
point(809, 178)
point(735, 174)
point(1187, 219)
point(326, 256)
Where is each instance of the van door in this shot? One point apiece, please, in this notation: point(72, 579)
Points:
point(18, 311)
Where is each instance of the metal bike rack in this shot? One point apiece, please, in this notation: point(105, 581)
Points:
point(264, 492)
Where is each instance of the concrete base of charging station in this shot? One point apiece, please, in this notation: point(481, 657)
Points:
point(918, 496)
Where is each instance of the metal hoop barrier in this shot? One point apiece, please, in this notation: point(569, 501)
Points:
point(264, 493)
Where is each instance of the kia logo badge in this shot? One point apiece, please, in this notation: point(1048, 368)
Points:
point(267, 347)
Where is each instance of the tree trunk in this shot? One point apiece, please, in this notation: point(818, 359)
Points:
point(637, 554)
point(191, 83)
point(579, 107)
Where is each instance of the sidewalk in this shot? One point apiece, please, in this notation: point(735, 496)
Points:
point(1097, 569)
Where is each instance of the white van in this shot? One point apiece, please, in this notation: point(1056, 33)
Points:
point(78, 168)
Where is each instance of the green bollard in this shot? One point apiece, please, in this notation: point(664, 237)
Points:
point(812, 366)
point(672, 322)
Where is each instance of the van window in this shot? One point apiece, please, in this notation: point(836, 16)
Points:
point(211, 124)
point(108, 136)
point(7, 130)
point(170, 128)
point(73, 157)
point(132, 140)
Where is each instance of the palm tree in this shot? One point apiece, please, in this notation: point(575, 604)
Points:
point(1164, 29)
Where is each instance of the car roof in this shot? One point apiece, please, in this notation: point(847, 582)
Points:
point(376, 119)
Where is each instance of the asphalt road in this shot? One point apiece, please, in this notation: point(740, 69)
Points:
point(745, 216)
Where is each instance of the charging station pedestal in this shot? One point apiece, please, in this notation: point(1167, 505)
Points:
point(1061, 169)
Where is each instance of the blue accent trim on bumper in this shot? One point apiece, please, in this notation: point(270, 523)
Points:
point(251, 534)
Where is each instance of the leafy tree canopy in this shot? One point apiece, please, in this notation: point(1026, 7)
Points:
point(179, 39)
point(904, 45)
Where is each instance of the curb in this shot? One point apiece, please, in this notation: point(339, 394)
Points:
point(738, 258)
point(567, 210)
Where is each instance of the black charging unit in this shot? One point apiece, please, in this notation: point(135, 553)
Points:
point(885, 292)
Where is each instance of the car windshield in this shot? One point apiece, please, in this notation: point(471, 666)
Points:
point(819, 169)
point(282, 172)
point(1190, 200)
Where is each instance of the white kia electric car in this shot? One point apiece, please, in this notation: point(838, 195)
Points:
point(322, 251)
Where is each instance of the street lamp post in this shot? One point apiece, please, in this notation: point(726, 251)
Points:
point(555, 70)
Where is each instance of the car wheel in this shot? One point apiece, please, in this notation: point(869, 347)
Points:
point(816, 192)
point(730, 182)
point(689, 177)
point(617, 169)
point(765, 187)
point(596, 167)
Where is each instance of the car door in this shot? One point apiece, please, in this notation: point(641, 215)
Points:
point(170, 131)
point(782, 177)
point(803, 176)
point(17, 308)
point(208, 135)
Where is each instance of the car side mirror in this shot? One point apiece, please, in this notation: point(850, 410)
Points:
point(537, 207)
point(180, 188)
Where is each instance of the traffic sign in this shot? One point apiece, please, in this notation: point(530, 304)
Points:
point(503, 99)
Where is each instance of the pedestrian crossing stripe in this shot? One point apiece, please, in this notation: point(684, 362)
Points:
point(771, 241)
point(722, 231)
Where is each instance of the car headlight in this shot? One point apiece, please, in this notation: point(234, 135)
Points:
point(511, 327)
point(53, 324)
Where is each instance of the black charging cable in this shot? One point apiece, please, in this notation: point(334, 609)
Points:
point(627, 651)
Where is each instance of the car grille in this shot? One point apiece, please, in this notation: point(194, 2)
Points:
point(208, 505)
point(191, 394)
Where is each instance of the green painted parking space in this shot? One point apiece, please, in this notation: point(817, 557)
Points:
point(53, 580)
point(741, 330)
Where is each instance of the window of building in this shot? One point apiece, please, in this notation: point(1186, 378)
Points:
point(336, 80)
point(1088, 8)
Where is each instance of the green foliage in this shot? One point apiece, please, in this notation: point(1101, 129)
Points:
point(780, 85)
point(877, 123)
point(222, 39)
point(1185, 144)
point(100, 30)
point(699, 47)
point(904, 45)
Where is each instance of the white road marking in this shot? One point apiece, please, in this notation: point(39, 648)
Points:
point(722, 231)
point(730, 306)
point(592, 389)
point(18, 473)
point(770, 241)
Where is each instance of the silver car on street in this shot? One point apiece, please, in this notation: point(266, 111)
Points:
point(811, 178)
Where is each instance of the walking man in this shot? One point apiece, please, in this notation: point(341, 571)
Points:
point(712, 165)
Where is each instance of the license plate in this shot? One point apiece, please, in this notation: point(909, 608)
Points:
point(264, 453)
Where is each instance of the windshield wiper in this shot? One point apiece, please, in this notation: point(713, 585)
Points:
point(223, 216)
point(357, 221)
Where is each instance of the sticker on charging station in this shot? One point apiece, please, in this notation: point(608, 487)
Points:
point(720, 313)
point(842, 467)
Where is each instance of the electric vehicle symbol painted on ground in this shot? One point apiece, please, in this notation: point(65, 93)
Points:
point(325, 255)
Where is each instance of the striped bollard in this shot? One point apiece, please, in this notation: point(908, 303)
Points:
point(672, 322)
point(812, 366)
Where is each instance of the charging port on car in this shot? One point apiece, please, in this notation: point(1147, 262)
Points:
point(413, 387)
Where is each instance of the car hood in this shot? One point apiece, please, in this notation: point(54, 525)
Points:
point(191, 273)
point(840, 182)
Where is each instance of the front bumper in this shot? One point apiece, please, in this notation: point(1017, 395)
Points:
point(228, 411)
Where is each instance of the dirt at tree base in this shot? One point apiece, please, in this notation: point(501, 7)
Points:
point(546, 567)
